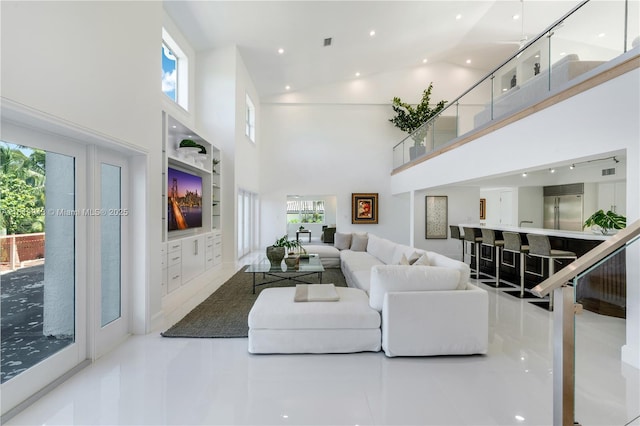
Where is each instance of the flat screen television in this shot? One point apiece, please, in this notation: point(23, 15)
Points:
point(184, 200)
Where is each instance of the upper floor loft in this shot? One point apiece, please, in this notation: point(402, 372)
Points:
point(594, 43)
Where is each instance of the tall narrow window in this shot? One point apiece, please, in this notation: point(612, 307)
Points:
point(110, 226)
point(247, 222)
point(251, 120)
point(175, 71)
point(169, 73)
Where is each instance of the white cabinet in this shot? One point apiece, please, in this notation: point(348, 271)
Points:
point(613, 196)
point(174, 265)
point(208, 254)
point(193, 256)
point(217, 249)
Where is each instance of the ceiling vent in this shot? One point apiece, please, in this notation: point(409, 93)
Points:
point(609, 172)
point(327, 42)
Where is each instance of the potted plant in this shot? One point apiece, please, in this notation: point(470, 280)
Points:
point(411, 119)
point(605, 222)
point(282, 246)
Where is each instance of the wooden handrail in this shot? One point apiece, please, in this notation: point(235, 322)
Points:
point(557, 280)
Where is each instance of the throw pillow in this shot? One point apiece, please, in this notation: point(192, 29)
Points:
point(404, 260)
point(413, 258)
point(359, 242)
point(342, 241)
point(423, 260)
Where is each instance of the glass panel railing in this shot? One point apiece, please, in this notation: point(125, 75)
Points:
point(474, 107)
point(590, 35)
point(522, 81)
point(606, 390)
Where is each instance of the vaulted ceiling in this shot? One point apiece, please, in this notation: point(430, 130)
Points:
point(406, 33)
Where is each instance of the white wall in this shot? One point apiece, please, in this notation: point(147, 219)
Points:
point(462, 203)
point(328, 149)
point(223, 82)
point(92, 65)
point(530, 200)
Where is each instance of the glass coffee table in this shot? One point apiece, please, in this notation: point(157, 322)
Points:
point(305, 267)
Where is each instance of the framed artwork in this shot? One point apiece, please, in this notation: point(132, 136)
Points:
point(364, 208)
point(483, 208)
point(436, 226)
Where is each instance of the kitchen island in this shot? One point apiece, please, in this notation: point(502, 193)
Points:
point(603, 290)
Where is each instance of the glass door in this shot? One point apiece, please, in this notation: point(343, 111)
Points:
point(42, 262)
point(111, 213)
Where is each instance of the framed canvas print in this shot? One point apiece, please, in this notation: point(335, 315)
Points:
point(483, 208)
point(436, 226)
point(364, 208)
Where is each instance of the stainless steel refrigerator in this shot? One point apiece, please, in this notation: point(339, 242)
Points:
point(563, 212)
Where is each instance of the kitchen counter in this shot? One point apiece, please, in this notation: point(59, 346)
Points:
point(603, 290)
point(586, 235)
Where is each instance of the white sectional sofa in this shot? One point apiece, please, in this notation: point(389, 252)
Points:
point(429, 308)
point(407, 301)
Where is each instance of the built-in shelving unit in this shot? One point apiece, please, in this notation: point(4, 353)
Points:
point(188, 253)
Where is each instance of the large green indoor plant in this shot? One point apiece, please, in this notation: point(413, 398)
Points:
point(410, 119)
point(605, 222)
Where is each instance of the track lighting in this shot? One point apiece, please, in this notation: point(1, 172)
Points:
point(571, 167)
point(615, 160)
point(524, 174)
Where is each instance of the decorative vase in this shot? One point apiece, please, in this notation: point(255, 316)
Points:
point(275, 255)
point(291, 261)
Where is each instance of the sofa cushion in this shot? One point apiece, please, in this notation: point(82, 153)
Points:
point(397, 278)
point(359, 242)
point(342, 241)
point(381, 248)
point(437, 259)
point(422, 260)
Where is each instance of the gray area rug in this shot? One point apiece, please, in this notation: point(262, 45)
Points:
point(225, 312)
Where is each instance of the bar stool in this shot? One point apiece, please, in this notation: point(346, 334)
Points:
point(539, 246)
point(513, 244)
point(489, 240)
point(455, 234)
point(473, 236)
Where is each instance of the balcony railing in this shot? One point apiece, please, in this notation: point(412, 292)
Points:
point(575, 46)
point(584, 385)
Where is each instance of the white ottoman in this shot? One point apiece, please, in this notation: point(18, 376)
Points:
point(329, 255)
point(277, 324)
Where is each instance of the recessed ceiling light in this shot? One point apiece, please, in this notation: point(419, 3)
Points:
point(174, 127)
point(505, 89)
point(519, 418)
point(468, 61)
point(536, 56)
point(563, 53)
point(280, 51)
point(372, 33)
point(601, 35)
point(287, 87)
point(458, 17)
point(357, 74)
point(516, 17)
point(424, 61)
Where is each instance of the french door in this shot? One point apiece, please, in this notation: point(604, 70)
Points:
point(65, 287)
point(111, 319)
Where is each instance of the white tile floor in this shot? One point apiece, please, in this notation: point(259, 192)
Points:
point(151, 380)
